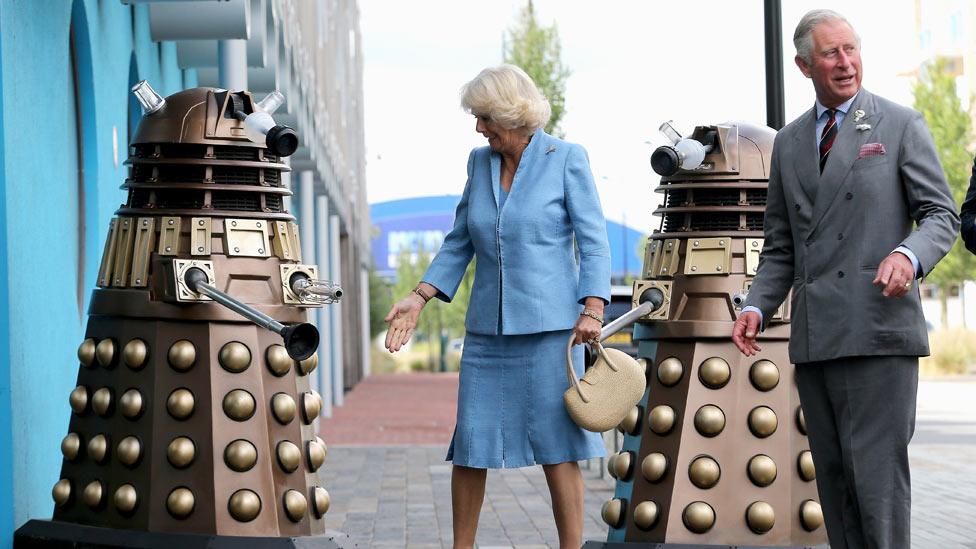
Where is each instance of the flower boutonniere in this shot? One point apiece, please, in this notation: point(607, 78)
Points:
point(858, 115)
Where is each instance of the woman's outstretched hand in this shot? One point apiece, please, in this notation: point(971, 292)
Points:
point(402, 319)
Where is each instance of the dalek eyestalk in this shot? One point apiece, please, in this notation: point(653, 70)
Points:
point(301, 340)
point(319, 292)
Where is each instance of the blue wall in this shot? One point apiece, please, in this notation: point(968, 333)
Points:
point(52, 222)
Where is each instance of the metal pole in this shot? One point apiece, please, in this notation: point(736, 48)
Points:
point(327, 380)
point(627, 319)
point(775, 102)
point(338, 375)
point(232, 64)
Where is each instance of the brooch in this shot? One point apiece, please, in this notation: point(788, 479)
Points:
point(551, 148)
point(858, 115)
point(862, 127)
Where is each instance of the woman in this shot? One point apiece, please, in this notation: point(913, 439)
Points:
point(528, 198)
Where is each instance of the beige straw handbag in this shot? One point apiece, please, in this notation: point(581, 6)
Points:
point(608, 390)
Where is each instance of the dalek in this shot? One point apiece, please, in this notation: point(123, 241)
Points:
point(192, 420)
point(716, 453)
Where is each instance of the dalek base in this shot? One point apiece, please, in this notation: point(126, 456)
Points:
point(50, 534)
point(645, 545)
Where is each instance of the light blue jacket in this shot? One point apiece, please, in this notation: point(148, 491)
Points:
point(526, 263)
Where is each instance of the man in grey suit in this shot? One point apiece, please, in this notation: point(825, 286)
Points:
point(858, 209)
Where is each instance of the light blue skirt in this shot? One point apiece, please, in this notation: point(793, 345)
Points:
point(510, 403)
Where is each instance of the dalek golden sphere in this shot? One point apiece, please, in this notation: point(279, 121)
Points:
point(316, 455)
point(709, 420)
point(94, 494)
point(289, 456)
point(801, 421)
point(86, 353)
point(762, 470)
point(669, 371)
point(240, 455)
point(764, 375)
point(79, 399)
point(308, 365)
point(131, 403)
point(182, 355)
point(244, 505)
point(98, 448)
point(278, 360)
point(610, 468)
point(311, 406)
point(762, 421)
point(321, 501)
point(134, 353)
point(631, 423)
point(804, 466)
point(760, 517)
point(699, 517)
point(645, 515)
point(102, 401)
point(181, 452)
point(239, 405)
point(714, 373)
point(180, 403)
point(126, 499)
point(622, 465)
point(662, 419)
point(61, 492)
point(283, 408)
point(70, 445)
point(613, 512)
point(654, 467)
point(105, 352)
point(295, 505)
point(129, 451)
point(811, 515)
point(704, 472)
point(180, 502)
point(234, 357)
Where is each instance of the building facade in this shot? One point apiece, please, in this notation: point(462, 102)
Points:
point(66, 114)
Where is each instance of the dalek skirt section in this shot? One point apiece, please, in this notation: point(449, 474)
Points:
point(716, 454)
point(193, 412)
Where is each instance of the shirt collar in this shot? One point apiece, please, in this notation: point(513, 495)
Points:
point(843, 107)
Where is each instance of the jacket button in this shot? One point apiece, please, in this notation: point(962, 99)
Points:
point(840, 274)
point(849, 196)
point(840, 236)
point(809, 280)
point(797, 206)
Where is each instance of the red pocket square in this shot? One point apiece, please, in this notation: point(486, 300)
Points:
point(871, 149)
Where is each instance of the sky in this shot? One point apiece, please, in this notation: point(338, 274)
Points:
point(635, 64)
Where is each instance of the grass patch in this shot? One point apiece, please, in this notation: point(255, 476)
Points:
point(953, 353)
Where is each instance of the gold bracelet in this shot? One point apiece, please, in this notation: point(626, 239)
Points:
point(592, 314)
point(422, 295)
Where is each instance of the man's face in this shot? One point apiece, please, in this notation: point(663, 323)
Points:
point(836, 66)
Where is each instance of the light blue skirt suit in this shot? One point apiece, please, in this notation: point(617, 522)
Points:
point(527, 296)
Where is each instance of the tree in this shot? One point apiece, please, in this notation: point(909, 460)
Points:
point(949, 122)
point(380, 301)
point(536, 50)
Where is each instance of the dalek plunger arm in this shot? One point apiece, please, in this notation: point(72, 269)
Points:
point(301, 340)
point(650, 301)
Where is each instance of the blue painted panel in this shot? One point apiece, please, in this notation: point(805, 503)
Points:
point(6, 441)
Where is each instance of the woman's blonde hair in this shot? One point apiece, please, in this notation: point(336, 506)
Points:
point(508, 96)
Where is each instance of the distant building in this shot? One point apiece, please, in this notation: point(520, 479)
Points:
point(413, 224)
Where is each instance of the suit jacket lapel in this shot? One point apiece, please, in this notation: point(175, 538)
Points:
point(805, 157)
point(533, 150)
point(495, 160)
point(843, 153)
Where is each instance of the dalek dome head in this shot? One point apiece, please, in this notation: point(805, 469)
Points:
point(212, 116)
point(731, 151)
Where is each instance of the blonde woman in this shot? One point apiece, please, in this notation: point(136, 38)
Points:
point(529, 197)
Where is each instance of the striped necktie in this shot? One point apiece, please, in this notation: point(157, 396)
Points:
point(827, 137)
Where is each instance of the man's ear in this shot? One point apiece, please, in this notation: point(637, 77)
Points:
point(804, 68)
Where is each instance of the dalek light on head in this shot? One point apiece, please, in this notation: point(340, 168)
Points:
point(716, 453)
point(192, 419)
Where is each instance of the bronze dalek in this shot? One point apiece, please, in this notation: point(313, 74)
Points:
point(716, 453)
point(192, 418)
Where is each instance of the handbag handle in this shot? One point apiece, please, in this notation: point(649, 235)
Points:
point(571, 373)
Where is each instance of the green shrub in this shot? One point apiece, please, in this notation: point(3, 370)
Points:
point(953, 353)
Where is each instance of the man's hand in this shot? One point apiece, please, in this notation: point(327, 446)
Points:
point(744, 333)
point(896, 274)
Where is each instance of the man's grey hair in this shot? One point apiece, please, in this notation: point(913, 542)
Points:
point(802, 37)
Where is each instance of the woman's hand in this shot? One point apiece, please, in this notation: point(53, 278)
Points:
point(402, 319)
point(586, 329)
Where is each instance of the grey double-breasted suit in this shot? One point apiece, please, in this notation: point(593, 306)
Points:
point(856, 351)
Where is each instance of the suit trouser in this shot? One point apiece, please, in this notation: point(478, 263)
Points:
point(860, 417)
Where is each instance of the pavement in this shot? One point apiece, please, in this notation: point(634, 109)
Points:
point(390, 485)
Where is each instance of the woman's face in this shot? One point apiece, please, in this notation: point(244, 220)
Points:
point(499, 139)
